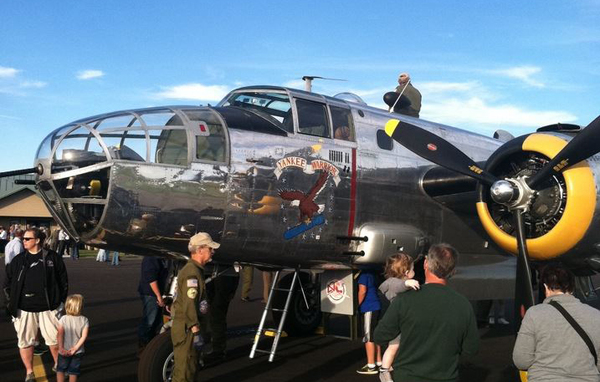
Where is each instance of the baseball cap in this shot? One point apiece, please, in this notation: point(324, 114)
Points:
point(202, 238)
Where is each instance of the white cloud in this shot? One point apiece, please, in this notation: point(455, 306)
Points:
point(475, 111)
point(473, 106)
point(33, 84)
point(523, 73)
point(195, 91)
point(89, 74)
point(443, 87)
point(8, 72)
point(294, 84)
point(9, 117)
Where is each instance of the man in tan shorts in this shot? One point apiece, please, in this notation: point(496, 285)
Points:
point(36, 286)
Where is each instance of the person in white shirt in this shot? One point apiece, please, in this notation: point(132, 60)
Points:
point(73, 329)
point(63, 241)
point(14, 247)
point(3, 234)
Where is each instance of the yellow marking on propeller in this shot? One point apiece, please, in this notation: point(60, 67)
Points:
point(563, 163)
point(577, 215)
point(475, 169)
point(390, 126)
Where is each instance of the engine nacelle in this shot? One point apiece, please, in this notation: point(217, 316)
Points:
point(563, 210)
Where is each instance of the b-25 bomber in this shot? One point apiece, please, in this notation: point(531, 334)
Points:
point(290, 179)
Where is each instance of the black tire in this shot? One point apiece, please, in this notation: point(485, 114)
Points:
point(156, 362)
point(300, 321)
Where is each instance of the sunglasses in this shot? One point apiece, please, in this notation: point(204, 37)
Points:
point(28, 238)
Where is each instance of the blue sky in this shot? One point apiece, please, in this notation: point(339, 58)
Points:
point(480, 65)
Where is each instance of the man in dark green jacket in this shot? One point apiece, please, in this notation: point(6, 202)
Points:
point(190, 309)
point(436, 324)
point(413, 97)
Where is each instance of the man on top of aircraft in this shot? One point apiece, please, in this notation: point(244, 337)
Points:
point(406, 88)
point(190, 308)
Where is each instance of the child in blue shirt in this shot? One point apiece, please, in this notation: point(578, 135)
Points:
point(369, 307)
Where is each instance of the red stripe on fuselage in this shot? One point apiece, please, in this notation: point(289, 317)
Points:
point(352, 195)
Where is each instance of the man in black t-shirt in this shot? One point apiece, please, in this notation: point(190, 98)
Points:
point(36, 285)
point(151, 288)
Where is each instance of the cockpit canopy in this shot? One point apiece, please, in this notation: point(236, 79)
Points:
point(158, 135)
point(292, 111)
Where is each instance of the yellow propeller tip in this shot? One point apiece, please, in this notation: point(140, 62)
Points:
point(391, 126)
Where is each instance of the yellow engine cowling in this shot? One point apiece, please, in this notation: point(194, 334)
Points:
point(578, 212)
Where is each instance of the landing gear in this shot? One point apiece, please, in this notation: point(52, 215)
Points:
point(301, 320)
point(156, 362)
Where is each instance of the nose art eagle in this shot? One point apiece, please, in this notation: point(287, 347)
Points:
point(306, 202)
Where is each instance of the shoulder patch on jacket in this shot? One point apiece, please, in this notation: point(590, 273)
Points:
point(192, 283)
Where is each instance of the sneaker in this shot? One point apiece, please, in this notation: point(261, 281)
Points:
point(245, 299)
point(40, 349)
point(385, 375)
point(503, 321)
point(368, 370)
point(30, 377)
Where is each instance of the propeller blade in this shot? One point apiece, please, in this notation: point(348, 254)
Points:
point(584, 145)
point(523, 288)
point(436, 149)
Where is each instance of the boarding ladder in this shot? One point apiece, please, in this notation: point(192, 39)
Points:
point(262, 331)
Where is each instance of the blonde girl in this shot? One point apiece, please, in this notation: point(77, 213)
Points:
point(73, 330)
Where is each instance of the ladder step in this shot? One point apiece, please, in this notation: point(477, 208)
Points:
point(262, 351)
point(282, 289)
point(273, 333)
point(278, 310)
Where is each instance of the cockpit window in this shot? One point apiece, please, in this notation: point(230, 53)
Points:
point(211, 143)
point(80, 146)
point(274, 107)
point(312, 118)
point(172, 148)
point(128, 145)
point(343, 127)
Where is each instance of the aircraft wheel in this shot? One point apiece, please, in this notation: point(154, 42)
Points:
point(300, 320)
point(156, 362)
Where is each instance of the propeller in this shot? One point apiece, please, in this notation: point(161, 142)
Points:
point(523, 285)
point(308, 81)
point(436, 149)
point(517, 194)
point(582, 146)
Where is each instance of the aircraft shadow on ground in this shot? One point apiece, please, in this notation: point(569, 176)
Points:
point(289, 348)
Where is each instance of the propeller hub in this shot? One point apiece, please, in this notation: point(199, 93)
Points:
point(523, 194)
point(503, 192)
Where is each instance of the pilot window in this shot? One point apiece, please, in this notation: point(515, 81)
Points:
point(312, 118)
point(273, 107)
point(343, 128)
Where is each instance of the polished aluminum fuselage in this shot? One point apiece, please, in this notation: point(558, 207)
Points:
point(152, 209)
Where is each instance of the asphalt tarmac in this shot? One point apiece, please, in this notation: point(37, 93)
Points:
point(113, 308)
